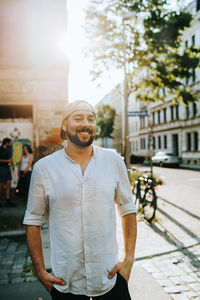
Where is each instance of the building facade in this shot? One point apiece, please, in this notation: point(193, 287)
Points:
point(114, 99)
point(33, 70)
point(33, 73)
point(173, 128)
point(168, 127)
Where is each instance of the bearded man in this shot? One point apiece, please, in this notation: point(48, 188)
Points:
point(78, 188)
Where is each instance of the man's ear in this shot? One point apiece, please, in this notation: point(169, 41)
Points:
point(63, 130)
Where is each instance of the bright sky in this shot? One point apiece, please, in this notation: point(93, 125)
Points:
point(81, 85)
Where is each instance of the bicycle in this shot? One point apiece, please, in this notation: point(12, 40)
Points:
point(145, 196)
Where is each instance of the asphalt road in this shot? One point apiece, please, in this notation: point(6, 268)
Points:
point(177, 220)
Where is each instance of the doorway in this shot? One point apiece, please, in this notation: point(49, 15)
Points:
point(175, 145)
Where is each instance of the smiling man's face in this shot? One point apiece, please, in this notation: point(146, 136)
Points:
point(80, 127)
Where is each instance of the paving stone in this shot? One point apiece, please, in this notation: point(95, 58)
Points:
point(195, 286)
point(179, 297)
point(13, 275)
point(31, 279)
point(17, 268)
point(3, 276)
point(165, 282)
point(191, 294)
point(186, 268)
point(4, 281)
point(17, 280)
point(158, 275)
point(176, 280)
point(4, 243)
point(188, 278)
point(150, 268)
point(176, 289)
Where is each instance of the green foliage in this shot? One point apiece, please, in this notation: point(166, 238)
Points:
point(134, 174)
point(105, 121)
point(156, 64)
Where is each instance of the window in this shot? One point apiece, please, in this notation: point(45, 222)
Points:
point(142, 122)
point(172, 112)
point(198, 5)
point(194, 109)
point(153, 116)
point(195, 141)
point(193, 40)
point(186, 44)
point(187, 111)
point(165, 142)
point(154, 142)
point(193, 75)
point(159, 117)
point(142, 144)
point(188, 138)
point(165, 115)
point(16, 111)
point(177, 112)
point(159, 142)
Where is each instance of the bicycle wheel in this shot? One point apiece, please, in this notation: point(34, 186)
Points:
point(149, 204)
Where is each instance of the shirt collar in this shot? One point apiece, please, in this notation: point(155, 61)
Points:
point(69, 158)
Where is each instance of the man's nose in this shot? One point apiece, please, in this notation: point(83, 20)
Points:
point(85, 122)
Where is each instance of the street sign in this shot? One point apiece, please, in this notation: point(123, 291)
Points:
point(137, 113)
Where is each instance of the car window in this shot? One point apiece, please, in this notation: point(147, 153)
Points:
point(160, 153)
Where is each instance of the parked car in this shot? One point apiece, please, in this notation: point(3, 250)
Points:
point(165, 159)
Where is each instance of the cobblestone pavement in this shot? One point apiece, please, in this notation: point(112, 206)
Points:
point(15, 263)
point(178, 272)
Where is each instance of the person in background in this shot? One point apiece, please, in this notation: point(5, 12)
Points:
point(24, 170)
point(5, 172)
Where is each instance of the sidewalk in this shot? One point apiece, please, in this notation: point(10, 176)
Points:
point(171, 275)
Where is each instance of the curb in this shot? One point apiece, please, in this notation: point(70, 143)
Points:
point(12, 233)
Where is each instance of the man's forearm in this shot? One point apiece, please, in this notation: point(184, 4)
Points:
point(34, 241)
point(129, 225)
point(124, 267)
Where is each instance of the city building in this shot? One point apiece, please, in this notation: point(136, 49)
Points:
point(114, 99)
point(33, 72)
point(173, 128)
point(168, 127)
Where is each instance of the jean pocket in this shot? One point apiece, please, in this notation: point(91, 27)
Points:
point(121, 277)
point(52, 290)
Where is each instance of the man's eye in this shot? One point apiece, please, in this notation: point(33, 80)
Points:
point(91, 119)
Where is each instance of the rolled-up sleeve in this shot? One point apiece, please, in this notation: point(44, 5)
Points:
point(37, 206)
point(124, 196)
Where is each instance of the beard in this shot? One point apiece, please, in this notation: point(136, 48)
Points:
point(75, 140)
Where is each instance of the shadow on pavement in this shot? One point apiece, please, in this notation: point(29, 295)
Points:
point(171, 239)
point(181, 208)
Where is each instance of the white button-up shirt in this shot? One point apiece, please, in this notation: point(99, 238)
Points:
point(82, 216)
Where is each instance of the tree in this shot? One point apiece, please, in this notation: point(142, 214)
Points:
point(105, 121)
point(157, 65)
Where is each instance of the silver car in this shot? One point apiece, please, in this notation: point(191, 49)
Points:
point(165, 159)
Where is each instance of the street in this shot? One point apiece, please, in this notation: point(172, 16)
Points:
point(167, 251)
point(176, 226)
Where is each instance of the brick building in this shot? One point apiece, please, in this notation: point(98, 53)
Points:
point(33, 70)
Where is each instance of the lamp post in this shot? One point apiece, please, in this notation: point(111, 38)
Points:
point(125, 124)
